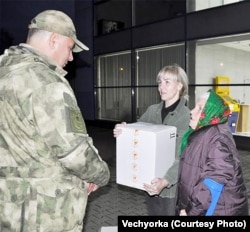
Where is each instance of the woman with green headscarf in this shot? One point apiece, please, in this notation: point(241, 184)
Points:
point(208, 151)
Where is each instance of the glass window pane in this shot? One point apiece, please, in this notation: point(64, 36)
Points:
point(112, 15)
point(225, 57)
point(114, 70)
point(162, 10)
point(151, 60)
point(113, 87)
point(196, 5)
point(114, 104)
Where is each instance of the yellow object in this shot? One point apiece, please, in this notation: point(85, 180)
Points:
point(233, 104)
point(222, 88)
point(224, 92)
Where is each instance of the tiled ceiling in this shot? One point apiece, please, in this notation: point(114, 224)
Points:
point(241, 42)
point(242, 45)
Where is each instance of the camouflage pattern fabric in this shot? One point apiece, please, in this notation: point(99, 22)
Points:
point(59, 22)
point(46, 155)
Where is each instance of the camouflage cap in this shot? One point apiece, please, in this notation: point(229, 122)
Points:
point(58, 22)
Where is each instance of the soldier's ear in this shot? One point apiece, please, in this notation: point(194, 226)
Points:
point(53, 40)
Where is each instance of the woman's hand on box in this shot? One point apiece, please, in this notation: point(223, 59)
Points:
point(156, 186)
point(118, 129)
point(183, 212)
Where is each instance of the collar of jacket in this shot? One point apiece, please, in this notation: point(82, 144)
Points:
point(40, 57)
point(181, 104)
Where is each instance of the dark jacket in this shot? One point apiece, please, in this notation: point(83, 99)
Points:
point(211, 152)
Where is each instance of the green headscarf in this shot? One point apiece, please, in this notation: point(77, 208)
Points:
point(215, 111)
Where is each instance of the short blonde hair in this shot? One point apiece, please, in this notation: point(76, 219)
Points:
point(180, 76)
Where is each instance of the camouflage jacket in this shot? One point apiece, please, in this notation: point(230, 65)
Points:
point(46, 155)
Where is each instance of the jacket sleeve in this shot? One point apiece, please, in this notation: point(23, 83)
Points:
point(60, 123)
point(219, 166)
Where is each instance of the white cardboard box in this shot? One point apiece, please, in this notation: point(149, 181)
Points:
point(144, 151)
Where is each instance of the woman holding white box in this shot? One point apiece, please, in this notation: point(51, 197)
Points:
point(172, 111)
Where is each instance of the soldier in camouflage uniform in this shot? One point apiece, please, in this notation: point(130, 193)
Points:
point(48, 163)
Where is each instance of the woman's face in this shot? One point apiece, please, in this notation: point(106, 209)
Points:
point(196, 112)
point(169, 89)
